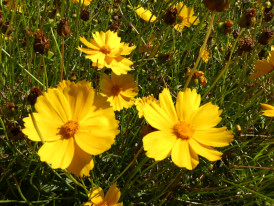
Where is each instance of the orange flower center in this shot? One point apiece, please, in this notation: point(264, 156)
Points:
point(115, 90)
point(69, 129)
point(102, 204)
point(105, 50)
point(183, 130)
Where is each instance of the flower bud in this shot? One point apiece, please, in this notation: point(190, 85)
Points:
point(248, 19)
point(266, 36)
point(85, 15)
point(35, 92)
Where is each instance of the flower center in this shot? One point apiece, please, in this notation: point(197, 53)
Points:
point(105, 50)
point(115, 90)
point(180, 19)
point(102, 204)
point(183, 130)
point(69, 129)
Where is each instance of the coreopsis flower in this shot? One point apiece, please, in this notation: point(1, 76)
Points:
point(107, 50)
point(269, 110)
point(185, 131)
point(84, 2)
point(144, 14)
point(185, 17)
point(264, 66)
point(120, 90)
point(140, 102)
point(75, 123)
point(96, 197)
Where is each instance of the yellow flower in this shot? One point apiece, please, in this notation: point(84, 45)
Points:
point(140, 103)
point(205, 56)
point(120, 90)
point(144, 14)
point(185, 17)
point(86, 2)
point(75, 123)
point(269, 110)
point(106, 50)
point(264, 66)
point(184, 132)
point(96, 197)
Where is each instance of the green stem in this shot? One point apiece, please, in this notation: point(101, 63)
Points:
point(75, 181)
point(135, 157)
point(226, 66)
point(201, 51)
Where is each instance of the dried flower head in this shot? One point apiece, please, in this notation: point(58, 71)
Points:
point(35, 92)
point(170, 16)
point(268, 16)
point(266, 36)
point(248, 19)
point(216, 5)
point(41, 42)
point(85, 14)
point(246, 44)
point(7, 28)
point(63, 28)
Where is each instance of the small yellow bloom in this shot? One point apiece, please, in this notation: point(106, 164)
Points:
point(106, 50)
point(263, 67)
point(96, 197)
point(120, 90)
point(144, 14)
point(85, 2)
point(185, 17)
point(205, 56)
point(184, 131)
point(75, 123)
point(6, 37)
point(140, 103)
point(269, 110)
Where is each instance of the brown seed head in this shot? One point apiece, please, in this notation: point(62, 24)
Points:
point(85, 14)
point(170, 16)
point(15, 132)
point(34, 93)
point(268, 16)
point(251, 12)
point(266, 36)
point(246, 44)
point(217, 5)
point(227, 26)
point(63, 28)
point(41, 42)
point(7, 28)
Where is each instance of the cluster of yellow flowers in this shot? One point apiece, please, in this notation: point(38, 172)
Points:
point(74, 121)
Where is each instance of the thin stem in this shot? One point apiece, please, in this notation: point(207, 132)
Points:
point(201, 51)
point(45, 72)
point(135, 157)
point(62, 63)
point(75, 181)
point(226, 66)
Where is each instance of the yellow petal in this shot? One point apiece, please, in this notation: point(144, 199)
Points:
point(97, 139)
point(58, 153)
point(96, 195)
point(205, 151)
point(157, 117)
point(159, 144)
point(205, 117)
point(216, 137)
point(167, 105)
point(180, 154)
point(98, 40)
point(113, 195)
point(92, 44)
point(261, 67)
point(53, 104)
point(267, 106)
point(187, 102)
point(48, 128)
point(81, 163)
